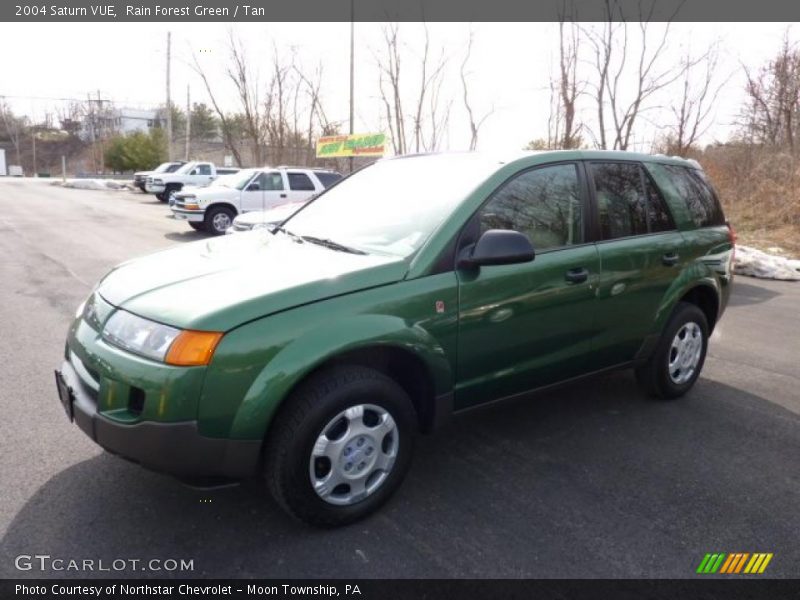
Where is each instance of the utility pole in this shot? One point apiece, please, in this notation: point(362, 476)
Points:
point(188, 121)
point(169, 103)
point(33, 139)
point(352, 69)
point(102, 150)
point(92, 132)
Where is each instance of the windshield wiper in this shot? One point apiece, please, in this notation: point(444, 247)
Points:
point(331, 244)
point(294, 236)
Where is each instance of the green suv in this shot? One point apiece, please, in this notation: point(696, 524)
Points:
point(312, 354)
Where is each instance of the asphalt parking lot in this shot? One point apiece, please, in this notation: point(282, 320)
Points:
point(590, 480)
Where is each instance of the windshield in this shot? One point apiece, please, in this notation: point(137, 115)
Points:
point(163, 167)
point(238, 180)
point(393, 205)
point(186, 168)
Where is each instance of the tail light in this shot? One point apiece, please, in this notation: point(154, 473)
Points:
point(732, 238)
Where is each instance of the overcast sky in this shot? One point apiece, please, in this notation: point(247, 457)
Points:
point(509, 69)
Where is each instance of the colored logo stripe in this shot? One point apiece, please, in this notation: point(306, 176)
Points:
point(734, 563)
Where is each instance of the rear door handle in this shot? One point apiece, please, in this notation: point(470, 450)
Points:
point(577, 275)
point(670, 259)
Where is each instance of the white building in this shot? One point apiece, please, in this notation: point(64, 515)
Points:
point(119, 120)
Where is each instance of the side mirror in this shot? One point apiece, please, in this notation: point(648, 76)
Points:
point(499, 247)
point(253, 187)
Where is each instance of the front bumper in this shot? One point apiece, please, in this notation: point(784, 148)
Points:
point(177, 448)
point(195, 216)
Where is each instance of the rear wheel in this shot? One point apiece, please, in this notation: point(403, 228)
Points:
point(679, 355)
point(340, 446)
point(218, 219)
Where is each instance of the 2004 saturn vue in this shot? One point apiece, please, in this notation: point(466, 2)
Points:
point(313, 353)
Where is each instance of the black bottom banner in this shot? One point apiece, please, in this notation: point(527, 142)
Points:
point(417, 589)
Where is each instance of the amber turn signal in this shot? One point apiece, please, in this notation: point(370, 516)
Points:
point(193, 348)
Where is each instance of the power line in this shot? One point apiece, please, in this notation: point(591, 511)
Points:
point(132, 103)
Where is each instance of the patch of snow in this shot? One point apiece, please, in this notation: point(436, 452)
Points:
point(95, 184)
point(755, 263)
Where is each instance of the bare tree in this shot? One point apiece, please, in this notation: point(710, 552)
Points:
point(227, 125)
point(693, 108)
point(14, 127)
point(475, 123)
point(431, 109)
point(389, 71)
point(622, 55)
point(279, 114)
point(569, 86)
point(773, 100)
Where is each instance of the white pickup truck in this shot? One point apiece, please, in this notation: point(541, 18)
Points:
point(193, 173)
point(213, 208)
point(140, 177)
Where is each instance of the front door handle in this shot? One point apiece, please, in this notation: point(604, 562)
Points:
point(670, 259)
point(283, 195)
point(578, 275)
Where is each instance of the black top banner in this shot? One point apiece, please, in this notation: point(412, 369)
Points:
point(399, 10)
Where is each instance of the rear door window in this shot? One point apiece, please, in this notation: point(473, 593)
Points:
point(300, 182)
point(628, 203)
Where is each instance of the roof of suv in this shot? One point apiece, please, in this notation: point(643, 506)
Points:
point(507, 158)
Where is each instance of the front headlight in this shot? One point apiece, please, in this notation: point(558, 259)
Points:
point(90, 312)
point(160, 342)
point(138, 335)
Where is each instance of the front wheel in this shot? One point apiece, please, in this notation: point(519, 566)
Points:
point(197, 226)
point(679, 355)
point(341, 446)
point(218, 219)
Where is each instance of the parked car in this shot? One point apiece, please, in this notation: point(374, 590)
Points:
point(264, 219)
point(191, 174)
point(416, 288)
point(214, 208)
point(140, 177)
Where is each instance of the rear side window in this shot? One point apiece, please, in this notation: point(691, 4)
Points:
point(695, 190)
point(543, 203)
point(628, 203)
point(300, 182)
point(328, 179)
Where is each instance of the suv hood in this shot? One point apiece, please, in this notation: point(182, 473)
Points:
point(218, 284)
point(209, 192)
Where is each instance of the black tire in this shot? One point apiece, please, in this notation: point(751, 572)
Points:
point(197, 226)
point(171, 187)
point(302, 419)
point(210, 222)
point(654, 376)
